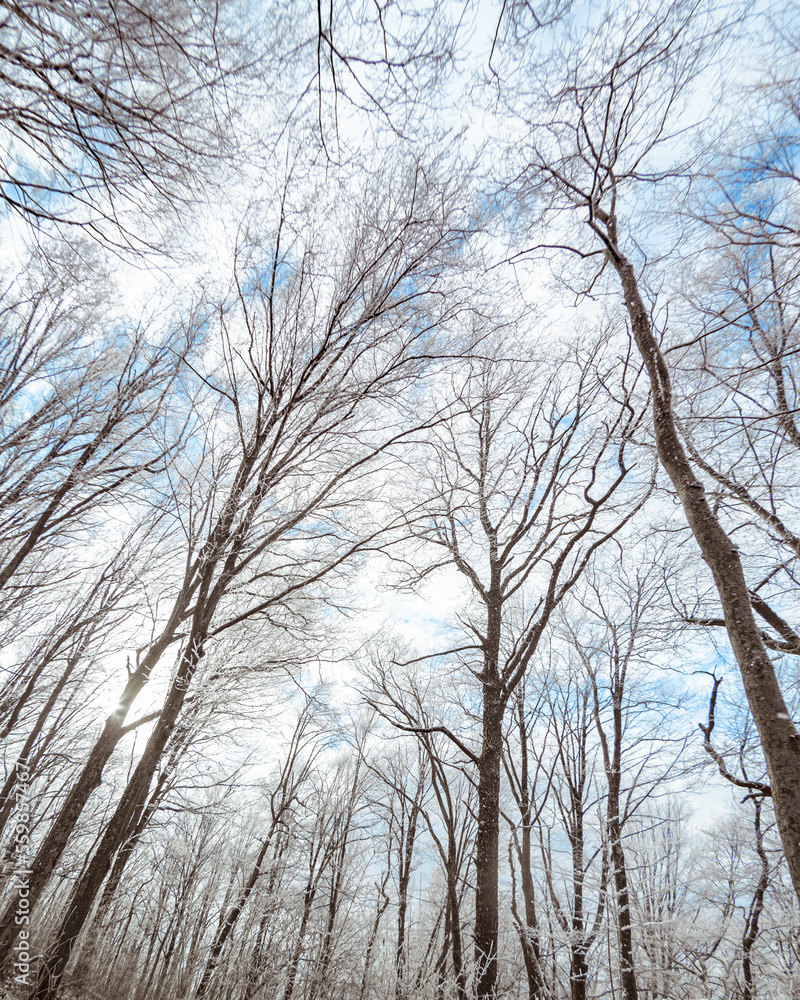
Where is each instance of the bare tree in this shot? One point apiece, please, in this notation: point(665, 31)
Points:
point(758, 795)
point(84, 423)
point(551, 770)
point(295, 772)
point(106, 104)
point(60, 661)
point(614, 637)
point(407, 786)
point(607, 123)
point(744, 393)
point(387, 62)
point(326, 853)
point(412, 702)
point(666, 869)
point(524, 494)
point(304, 358)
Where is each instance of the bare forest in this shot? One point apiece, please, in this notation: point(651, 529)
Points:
point(399, 425)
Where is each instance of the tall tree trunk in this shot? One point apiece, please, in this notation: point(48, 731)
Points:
point(627, 967)
point(780, 739)
point(619, 869)
point(258, 961)
point(88, 885)
point(456, 947)
point(578, 966)
point(294, 963)
point(441, 964)
point(529, 932)
point(612, 762)
point(487, 844)
point(89, 779)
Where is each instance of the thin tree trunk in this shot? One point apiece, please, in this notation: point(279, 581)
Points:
point(619, 869)
point(529, 933)
point(226, 927)
point(143, 813)
point(381, 908)
point(612, 762)
point(456, 946)
point(424, 965)
point(528, 942)
point(578, 966)
point(404, 879)
point(294, 964)
point(756, 909)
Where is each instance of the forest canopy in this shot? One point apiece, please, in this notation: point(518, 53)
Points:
point(399, 463)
